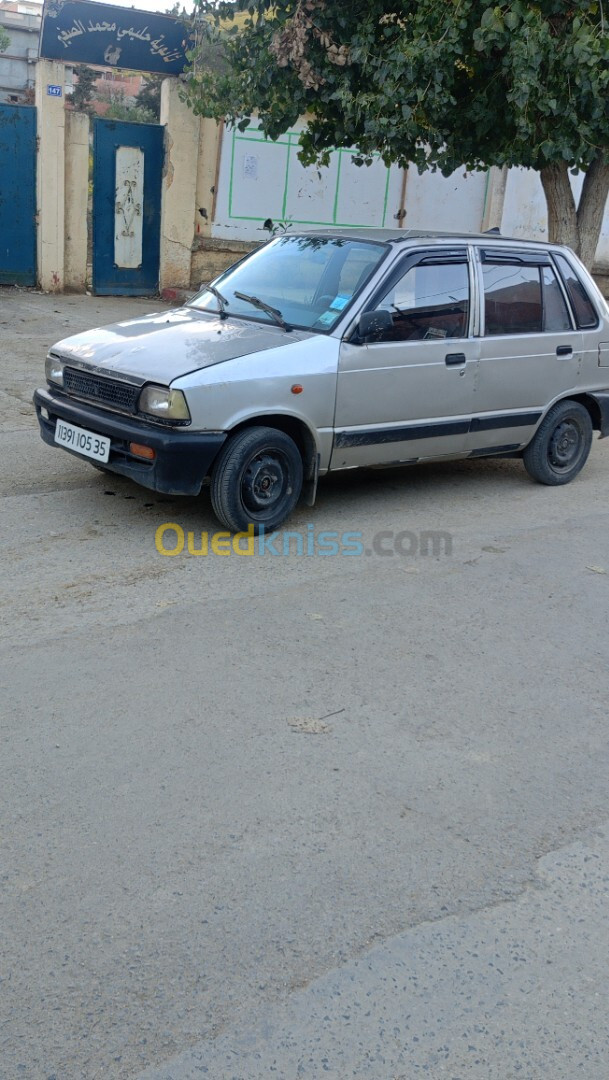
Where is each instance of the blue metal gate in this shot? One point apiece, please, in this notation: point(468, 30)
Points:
point(127, 171)
point(17, 195)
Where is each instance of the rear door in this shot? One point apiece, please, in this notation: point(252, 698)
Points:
point(530, 351)
point(409, 394)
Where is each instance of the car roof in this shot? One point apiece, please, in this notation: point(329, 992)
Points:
point(395, 236)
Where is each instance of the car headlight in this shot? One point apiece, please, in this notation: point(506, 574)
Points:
point(53, 370)
point(163, 403)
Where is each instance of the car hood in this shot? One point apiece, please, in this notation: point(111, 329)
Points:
point(164, 346)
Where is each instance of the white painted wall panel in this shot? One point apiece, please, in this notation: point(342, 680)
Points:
point(310, 193)
point(259, 179)
point(454, 203)
point(369, 194)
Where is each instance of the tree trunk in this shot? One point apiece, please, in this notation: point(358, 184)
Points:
point(562, 212)
point(591, 210)
point(579, 228)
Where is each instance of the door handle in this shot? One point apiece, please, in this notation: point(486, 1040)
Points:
point(564, 350)
point(455, 358)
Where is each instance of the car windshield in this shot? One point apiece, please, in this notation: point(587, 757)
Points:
point(308, 281)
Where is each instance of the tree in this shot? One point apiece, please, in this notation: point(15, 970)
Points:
point(120, 110)
point(440, 85)
point(4, 40)
point(84, 90)
point(148, 96)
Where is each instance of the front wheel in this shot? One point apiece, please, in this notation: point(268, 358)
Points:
point(559, 449)
point(257, 480)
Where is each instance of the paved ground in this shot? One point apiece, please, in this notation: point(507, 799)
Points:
point(203, 871)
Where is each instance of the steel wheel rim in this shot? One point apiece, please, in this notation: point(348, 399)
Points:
point(265, 482)
point(566, 445)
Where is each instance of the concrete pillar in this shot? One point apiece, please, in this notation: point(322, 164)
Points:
point(208, 166)
point(179, 187)
point(76, 200)
point(495, 198)
point(50, 181)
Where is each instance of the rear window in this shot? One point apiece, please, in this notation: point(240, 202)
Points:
point(583, 307)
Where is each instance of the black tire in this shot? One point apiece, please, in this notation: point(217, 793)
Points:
point(559, 449)
point(257, 479)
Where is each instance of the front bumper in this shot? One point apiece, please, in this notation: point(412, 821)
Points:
point(183, 458)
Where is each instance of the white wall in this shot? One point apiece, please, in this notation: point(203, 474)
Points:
point(455, 203)
point(259, 179)
point(524, 211)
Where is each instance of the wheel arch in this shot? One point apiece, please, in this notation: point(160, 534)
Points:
point(305, 440)
point(597, 404)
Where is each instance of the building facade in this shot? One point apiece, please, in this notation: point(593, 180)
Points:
point(21, 21)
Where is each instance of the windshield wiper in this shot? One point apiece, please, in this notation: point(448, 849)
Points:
point(272, 311)
point(222, 301)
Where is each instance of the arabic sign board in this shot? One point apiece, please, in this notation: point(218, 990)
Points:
point(82, 32)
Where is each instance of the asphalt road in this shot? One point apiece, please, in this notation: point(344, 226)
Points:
point(298, 816)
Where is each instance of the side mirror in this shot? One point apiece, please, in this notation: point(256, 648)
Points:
point(373, 323)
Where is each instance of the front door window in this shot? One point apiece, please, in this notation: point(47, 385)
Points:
point(430, 302)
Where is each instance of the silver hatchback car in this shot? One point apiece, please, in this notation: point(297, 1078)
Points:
point(336, 349)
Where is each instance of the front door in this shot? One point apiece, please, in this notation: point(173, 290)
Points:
point(127, 172)
point(409, 395)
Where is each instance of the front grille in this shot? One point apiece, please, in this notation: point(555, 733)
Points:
point(118, 395)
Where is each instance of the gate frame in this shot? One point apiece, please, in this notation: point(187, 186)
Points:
point(127, 133)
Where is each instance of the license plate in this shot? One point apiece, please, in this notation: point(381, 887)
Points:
point(83, 442)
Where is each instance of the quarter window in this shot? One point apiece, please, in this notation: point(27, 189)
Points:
point(429, 302)
point(555, 312)
point(582, 305)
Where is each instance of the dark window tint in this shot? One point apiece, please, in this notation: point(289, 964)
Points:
point(555, 312)
point(428, 303)
point(512, 299)
point(582, 305)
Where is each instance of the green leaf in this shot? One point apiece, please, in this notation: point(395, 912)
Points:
point(441, 85)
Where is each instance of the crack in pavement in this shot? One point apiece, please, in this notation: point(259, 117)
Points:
point(459, 997)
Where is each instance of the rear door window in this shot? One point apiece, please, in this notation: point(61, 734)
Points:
point(512, 299)
point(521, 298)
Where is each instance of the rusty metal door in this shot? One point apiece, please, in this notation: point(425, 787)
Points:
point(127, 171)
point(17, 195)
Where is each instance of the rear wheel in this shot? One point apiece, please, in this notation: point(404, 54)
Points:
point(257, 479)
point(560, 447)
